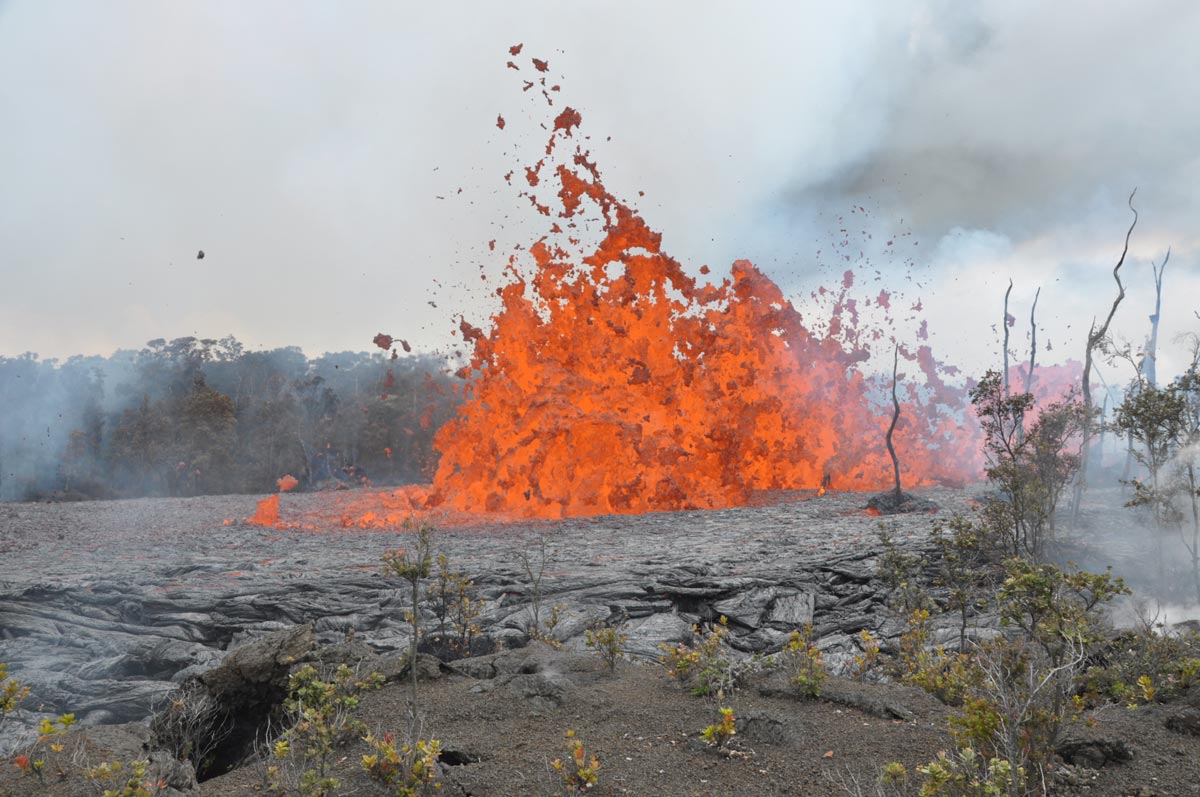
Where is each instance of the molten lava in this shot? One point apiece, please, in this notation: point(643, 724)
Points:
point(610, 381)
point(618, 384)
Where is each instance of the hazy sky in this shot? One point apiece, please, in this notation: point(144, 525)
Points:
point(315, 151)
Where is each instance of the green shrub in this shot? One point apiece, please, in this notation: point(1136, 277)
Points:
point(805, 662)
point(721, 732)
point(320, 711)
point(12, 693)
point(966, 774)
point(406, 771)
point(866, 660)
point(412, 565)
point(135, 782)
point(608, 643)
point(706, 666)
point(45, 752)
point(456, 610)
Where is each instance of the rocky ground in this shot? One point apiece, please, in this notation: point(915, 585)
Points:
point(105, 607)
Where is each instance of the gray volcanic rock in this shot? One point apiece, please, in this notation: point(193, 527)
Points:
point(259, 666)
point(246, 691)
point(646, 635)
point(105, 607)
point(1186, 720)
point(1093, 752)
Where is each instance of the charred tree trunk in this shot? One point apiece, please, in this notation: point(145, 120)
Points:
point(1006, 293)
point(1150, 367)
point(1095, 336)
point(1032, 342)
point(895, 417)
point(1032, 358)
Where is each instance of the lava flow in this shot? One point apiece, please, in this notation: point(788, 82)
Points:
point(610, 381)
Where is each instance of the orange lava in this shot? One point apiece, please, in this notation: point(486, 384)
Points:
point(615, 383)
point(611, 381)
point(267, 512)
point(287, 483)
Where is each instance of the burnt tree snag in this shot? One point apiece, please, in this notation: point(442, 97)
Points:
point(1032, 356)
point(1006, 317)
point(1032, 342)
point(1095, 336)
point(895, 417)
point(896, 501)
point(1150, 365)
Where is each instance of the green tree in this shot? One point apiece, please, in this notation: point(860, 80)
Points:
point(1030, 468)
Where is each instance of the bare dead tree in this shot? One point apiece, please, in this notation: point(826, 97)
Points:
point(1150, 364)
point(1006, 293)
point(1095, 336)
point(895, 417)
point(1032, 341)
point(1032, 356)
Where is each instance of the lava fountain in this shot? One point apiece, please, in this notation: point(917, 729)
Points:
point(611, 381)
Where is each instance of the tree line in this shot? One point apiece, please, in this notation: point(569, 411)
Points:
point(195, 416)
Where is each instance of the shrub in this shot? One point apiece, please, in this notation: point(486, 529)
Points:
point(190, 724)
point(456, 611)
point(1030, 467)
point(965, 774)
point(321, 714)
point(12, 693)
point(412, 565)
point(865, 661)
point(45, 751)
point(901, 574)
point(579, 772)
point(968, 565)
point(1167, 661)
point(607, 641)
point(805, 662)
point(534, 562)
point(945, 676)
point(706, 666)
point(136, 781)
point(405, 771)
point(721, 732)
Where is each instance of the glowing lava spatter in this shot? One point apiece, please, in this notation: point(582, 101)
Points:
point(617, 384)
point(613, 382)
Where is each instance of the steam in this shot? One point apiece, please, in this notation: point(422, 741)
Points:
point(96, 427)
point(750, 129)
